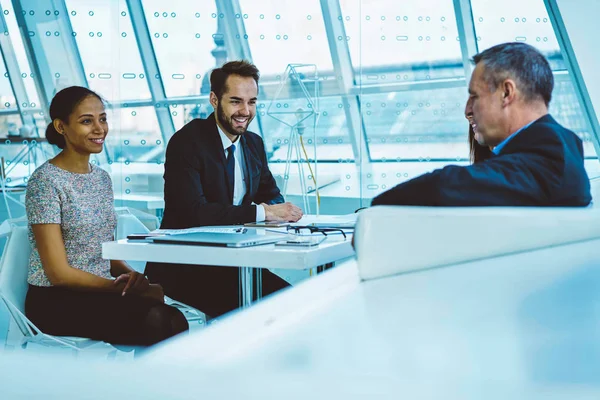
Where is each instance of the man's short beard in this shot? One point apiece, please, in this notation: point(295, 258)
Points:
point(222, 118)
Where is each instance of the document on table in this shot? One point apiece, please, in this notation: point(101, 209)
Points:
point(329, 220)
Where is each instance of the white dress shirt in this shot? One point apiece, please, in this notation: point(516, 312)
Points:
point(239, 187)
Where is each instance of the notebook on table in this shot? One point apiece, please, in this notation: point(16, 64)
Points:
point(219, 239)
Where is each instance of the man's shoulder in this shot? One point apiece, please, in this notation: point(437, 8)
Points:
point(194, 128)
point(196, 131)
point(546, 131)
point(253, 138)
point(548, 126)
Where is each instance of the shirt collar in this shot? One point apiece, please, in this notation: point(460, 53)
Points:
point(225, 140)
point(503, 143)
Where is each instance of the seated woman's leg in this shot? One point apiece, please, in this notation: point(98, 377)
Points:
point(110, 317)
point(163, 322)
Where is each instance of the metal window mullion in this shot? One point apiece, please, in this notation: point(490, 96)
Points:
point(150, 64)
point(14, 74)
point(36, 52)
point(411, 86)
point(342, 65)
point(466, 33)
point(9, 111)
point(236, 40)
point(570, 60)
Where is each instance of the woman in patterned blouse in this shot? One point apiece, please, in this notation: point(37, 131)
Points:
point(73, 291)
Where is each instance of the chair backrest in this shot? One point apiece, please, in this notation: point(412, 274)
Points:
point(395, 239)
point(14, 267)
point(595, 189)
point(128, 224)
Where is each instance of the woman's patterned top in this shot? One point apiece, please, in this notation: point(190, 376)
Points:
point(83, 206)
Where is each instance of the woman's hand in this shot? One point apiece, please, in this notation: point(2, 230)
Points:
point(134, 281)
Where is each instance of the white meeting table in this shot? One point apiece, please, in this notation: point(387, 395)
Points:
point(334, 248)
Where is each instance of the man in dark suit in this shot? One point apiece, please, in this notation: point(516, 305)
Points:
point(535, 161)
point(216, 173)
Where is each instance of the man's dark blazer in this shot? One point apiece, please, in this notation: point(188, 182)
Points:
point(541, 166)
point(197, 191)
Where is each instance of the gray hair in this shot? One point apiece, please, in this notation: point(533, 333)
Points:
point(522, 63)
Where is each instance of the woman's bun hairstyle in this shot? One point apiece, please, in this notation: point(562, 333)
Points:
point(62, 106)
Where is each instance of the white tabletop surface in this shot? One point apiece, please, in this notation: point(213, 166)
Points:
point(334, 248)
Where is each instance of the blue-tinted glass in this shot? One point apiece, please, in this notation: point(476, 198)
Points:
point(184, 113)
point(285, 32)
point(566, 109)
point(134, 135)
point(511, 21)
point(422, 125)
point(20, 54)
point(182, 35)
point(9, 124)
point(394, 41)
point(328, 130)
point(108, 49)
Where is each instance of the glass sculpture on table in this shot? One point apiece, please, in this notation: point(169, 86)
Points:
point(296, 105)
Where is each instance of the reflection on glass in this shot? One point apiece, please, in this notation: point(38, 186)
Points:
point(108, 49)
point(134, 135)
point(330, 131)
point(182, 35)
point(19, 49)
point(7, 98)
point(184, 113)
point(421, 125)
point(285, 32)
point(516, 21)
point(394, 41)
point(565, 107)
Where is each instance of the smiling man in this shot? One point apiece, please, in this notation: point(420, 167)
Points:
point(534, 162)
point(216, 173)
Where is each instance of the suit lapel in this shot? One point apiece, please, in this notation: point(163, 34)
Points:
point(252, 169)
point(218, 146)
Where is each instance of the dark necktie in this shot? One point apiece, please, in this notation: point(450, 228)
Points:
point(231, 167)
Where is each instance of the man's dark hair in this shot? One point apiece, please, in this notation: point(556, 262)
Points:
point(522, 63)
point(218, 76)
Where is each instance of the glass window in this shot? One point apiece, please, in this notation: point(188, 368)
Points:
point(134, 135)
point(516, 21)
point(7, 97)
point(424, 125)
point(108, 49)
point(19, 49)
point(182, 35)
point(394, 41)
point(9, 124)
point(286, 32)
point(329, 131)
point(566, 109)
point(184, 113)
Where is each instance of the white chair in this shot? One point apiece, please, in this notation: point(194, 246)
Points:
point(128, 224)
point(150, 221)
point(13, 289)
point(595, 190)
